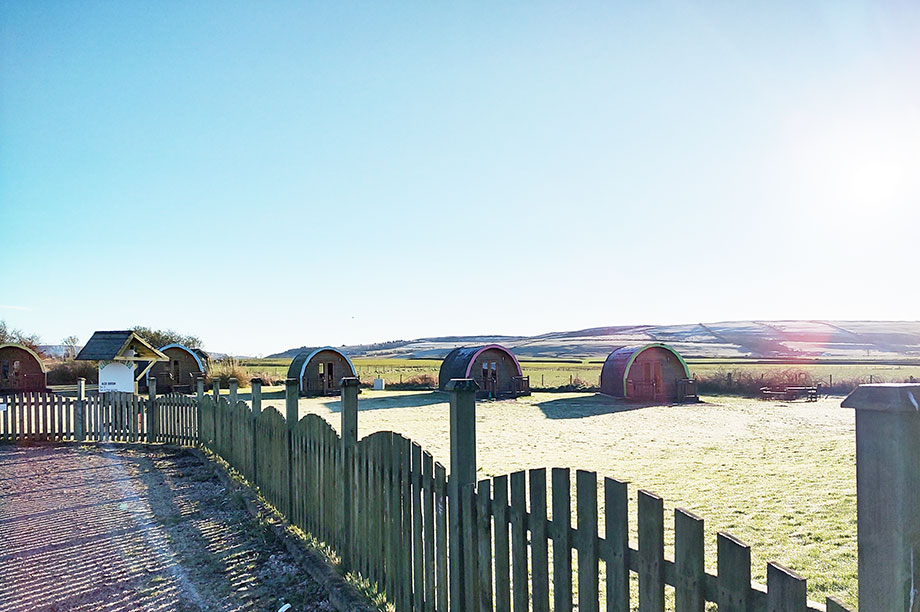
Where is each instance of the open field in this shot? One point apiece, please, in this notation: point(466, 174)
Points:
point(780, 476)
point(557, 373)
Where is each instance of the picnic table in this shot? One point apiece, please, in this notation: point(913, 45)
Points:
point(791, 393)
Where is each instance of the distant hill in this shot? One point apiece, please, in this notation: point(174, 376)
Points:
point(728, 339)
point(53, 350)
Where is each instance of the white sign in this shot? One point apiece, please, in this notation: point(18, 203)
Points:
point(115, 376)
point(2, 407)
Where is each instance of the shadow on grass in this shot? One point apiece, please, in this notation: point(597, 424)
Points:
point(587, 406)
point(409, 400)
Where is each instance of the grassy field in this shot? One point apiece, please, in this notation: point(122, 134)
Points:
point(780, 476)
point(551, 374)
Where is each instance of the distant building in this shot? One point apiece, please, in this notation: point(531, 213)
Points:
point(492, 366)
point(119, 353)
point(648, 372)
point(319, 371)
point(179, 373)
point(21, 369)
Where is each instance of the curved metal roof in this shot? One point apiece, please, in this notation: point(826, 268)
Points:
point(191, 352)
point(28, 350)
point(618, 362)
point(299, 363)
point(458, 362)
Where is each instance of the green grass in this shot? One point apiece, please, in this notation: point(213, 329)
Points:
point(550, 374)
point(779, 476)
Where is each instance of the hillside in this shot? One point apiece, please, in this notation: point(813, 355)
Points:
point(731, 339)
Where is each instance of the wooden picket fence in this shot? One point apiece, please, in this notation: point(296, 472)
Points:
point(110, 417)
point(514, 541)
point(399, 514)
point(35, 416)
point(517, 540)
point(511, 567)
point(175, 419)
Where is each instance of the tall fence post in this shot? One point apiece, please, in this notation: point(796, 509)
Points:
point(256, 384)
point(216, 421)
point(153, 430)
point(462, 473)
point(349, 441)
point(887, 494)
point(199, 387)
point(79, 417)
point(291, 413)
point(234, 391)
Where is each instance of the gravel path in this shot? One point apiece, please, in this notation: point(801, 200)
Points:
point(118, 530)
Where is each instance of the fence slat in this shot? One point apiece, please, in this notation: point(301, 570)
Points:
point(616, 536)
point(539, 546)
point(651, 552)
point(521, 587)
point(428, 491)
point(440, 477)
point(835, 605)
point(734, 566)
point(393, 512)
point(562, 545)
point(502, 550)
point(405, 466)
point(418, 569)
point(484, 526)
point(586, 504)
point(689, 561)
point(786, 590)
point(470, 546)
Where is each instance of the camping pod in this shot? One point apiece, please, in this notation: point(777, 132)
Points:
point(185, 365)
point(648, 372)
point(494, 368)
point(21, 369)
point(319, 371)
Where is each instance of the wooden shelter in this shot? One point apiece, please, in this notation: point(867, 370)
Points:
point(320, 370)
point(179, 373)
point(648, 372)
point(21, 369)
point(492, 366)
point(118, 354)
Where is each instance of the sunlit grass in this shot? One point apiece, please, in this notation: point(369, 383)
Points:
point(780, 476)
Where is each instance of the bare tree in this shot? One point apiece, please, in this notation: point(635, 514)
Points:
point(9, 334)
point(71, 344)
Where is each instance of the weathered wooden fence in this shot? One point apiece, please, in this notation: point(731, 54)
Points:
point(175, 419)
point(109, 417)
point(32, 416)
point(504, 544)
point(396, 504)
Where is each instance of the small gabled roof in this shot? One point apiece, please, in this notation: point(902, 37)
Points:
point(115, 345)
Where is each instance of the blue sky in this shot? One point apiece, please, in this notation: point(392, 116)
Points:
point(271, 175)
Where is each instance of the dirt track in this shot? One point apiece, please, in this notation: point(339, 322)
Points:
point(87, 529)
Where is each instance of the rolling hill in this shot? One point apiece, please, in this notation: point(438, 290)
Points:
point(875, 340)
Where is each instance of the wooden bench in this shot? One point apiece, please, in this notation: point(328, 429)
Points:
point(791, 393)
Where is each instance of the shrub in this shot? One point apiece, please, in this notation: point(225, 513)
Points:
point(67, 372)
point(417, 382)
point(577, 384)
point(749, 383)
point(228, 368)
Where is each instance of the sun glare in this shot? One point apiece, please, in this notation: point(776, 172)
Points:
point(856, 164)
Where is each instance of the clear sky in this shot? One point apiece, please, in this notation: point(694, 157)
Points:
point(268, 175)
